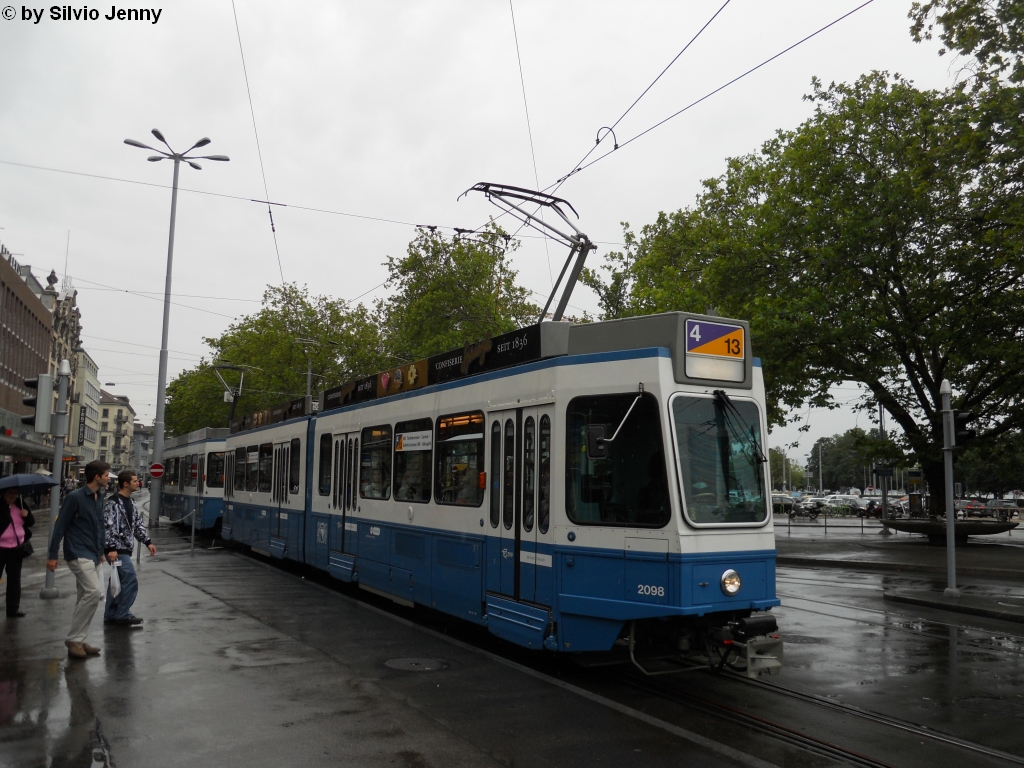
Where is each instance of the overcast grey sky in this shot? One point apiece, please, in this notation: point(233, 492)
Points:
point(384, 109)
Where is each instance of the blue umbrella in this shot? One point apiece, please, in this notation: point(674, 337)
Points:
point(26, 483)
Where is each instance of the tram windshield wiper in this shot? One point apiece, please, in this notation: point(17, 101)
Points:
point(597, 443)
point(724, 400)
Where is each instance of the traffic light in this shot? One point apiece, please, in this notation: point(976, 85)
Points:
point(42, 401)
point(961, 434)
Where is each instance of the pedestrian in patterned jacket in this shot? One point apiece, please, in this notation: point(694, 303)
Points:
point(122, 523)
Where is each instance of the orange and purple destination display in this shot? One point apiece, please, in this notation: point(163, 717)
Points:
point(714, 339)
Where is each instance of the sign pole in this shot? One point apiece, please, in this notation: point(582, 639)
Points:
point(948, 441)
point(60, 428)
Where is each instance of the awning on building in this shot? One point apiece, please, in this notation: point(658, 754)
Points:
point(18, 447)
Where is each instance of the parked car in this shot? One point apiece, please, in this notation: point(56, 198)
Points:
point(1002, 509)
point(969, 508)
point(842, 501)
point(782, 504)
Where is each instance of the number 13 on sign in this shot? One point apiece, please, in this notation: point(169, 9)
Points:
point(714, 339)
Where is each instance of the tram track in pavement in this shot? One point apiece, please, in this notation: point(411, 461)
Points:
point(627, 677)
point(900, 627)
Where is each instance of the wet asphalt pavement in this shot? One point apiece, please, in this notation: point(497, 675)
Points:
point(243, 663)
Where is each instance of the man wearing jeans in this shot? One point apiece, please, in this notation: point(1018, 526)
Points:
point(80, 526)
point(123, 523)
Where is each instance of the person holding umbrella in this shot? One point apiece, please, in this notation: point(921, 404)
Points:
point(15, 531)
point(80, 526)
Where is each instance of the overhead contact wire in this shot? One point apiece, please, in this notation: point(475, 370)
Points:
point(259, 152)
point(648, 88)
point(717, 90)
point(529, 129)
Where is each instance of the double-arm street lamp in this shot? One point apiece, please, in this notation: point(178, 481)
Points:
point(161, 392)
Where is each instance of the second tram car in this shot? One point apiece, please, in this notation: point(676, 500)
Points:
point(571, 487)
point(194, 479)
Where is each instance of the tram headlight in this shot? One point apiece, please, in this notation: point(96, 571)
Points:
point(731, 582)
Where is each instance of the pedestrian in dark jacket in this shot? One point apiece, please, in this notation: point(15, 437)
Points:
point(123, 524)
point(80, 526)
point(15, 529)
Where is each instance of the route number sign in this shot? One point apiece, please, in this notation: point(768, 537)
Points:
point(156, 470)
point(715, 350)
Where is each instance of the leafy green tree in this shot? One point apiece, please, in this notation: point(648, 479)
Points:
point(995, 469)
point(292, 330)
point(787, 474)
point(448, 292)
point(879, 242)
point(989, 31)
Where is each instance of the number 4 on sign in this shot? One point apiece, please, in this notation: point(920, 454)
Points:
point(695, 333)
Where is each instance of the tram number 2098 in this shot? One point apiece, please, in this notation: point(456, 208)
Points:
point(650, 589)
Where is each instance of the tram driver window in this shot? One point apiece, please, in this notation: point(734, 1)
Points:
point(324, 486)
point(413, 448)
point(628, 486)
point(252, 458)
point(266, 467)
point(215, 470)
point(239, 469)
point(375, 463)
point(460, 477)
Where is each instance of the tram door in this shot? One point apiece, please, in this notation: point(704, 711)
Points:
point(343, 492)
point(534, 555)
point(279, 491)
point(505, 444)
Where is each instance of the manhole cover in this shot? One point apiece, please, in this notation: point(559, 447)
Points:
point(416, 665)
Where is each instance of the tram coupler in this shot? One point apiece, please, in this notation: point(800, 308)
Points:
point(757, 645)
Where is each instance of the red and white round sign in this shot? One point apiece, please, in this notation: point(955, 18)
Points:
point(156, 470)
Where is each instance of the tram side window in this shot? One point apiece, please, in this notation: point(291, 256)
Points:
point(460, 477)
point(628, 486)
point(294, 465)
point(215, 469)
point(171, 479)
point(190, 478)
point(413, 448)
point(544, 490)
point(266, 467)
point(495, 473)
point(375, 463)
point(252, 465)
point(324, 485)
point(239, 469)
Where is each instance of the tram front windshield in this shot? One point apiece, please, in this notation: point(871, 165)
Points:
point(720, 459)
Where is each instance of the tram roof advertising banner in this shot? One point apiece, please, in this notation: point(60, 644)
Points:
point(512, 348)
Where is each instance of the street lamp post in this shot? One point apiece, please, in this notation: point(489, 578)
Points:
point(161, 391)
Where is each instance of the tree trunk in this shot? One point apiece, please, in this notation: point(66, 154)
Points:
point(935, 477)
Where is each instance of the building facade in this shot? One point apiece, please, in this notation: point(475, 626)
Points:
point(117, 422)
point(26, 328)
point(65, 338)
point(85, 413)
point(142, 450)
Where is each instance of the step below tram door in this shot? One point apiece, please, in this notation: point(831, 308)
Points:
point(519, 480)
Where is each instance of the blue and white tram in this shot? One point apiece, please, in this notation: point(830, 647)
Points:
point(571, 487)
point(267, 471)
point(194, 477)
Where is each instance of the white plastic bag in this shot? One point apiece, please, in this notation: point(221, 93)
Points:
point(115, 580)
point(104, 573)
